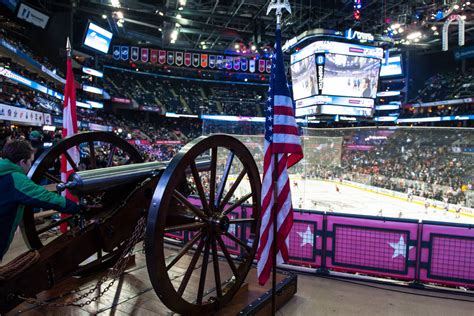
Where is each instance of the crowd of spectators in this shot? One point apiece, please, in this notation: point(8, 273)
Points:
point(429, 163)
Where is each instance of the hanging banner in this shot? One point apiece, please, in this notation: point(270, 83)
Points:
point(153, 55)
point(228, 62)
point(179, 58)
point(261, 65)
point(269, 65)
point(212, 61)
point(252, 65)
point(134, 53)
point(220, 61)
point(144, 55)
point(236, 63)
point(116, 52)
point(15, 114)
point(196, 60)
point(170, 57)
point(162, 56)
point(243, 63)
point(124, 52)
point(187, 59)
point(204, 60)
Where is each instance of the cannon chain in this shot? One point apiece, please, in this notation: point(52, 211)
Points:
point(112, 275)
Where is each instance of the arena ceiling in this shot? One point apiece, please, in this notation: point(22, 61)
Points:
point(220, 25)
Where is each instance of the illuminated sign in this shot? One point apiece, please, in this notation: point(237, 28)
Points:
point(350, 34)
point(92, 72)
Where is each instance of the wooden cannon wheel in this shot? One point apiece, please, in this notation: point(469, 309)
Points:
point(218, 211)
point(97, 150)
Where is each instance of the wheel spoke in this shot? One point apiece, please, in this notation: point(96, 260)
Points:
point(212, 181)
point(110, 159)
point(183, 250)
point(241, 220)
point(71, 161)
point(190, 269)
point(238, 241)
point(92, 155)
point(233, 188)
point(190, 226)
point(200, 189)
point(52, 225)
point(202, 279)
point(225, 175)
point(50, 177)
point(217, 274)
point(181, 198)
point(227, 255)
point(237, 204)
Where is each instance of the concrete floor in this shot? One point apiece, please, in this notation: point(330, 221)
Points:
point(324, 296)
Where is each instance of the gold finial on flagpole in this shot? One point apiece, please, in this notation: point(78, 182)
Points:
point(278, 5)
point(68, 47)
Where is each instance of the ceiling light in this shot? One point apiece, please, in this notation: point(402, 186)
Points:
point(160, 29)
point(172, 41)
point(253, 47)
point(463, 17)
point(180, 8)
point(119, 15)
point(178, 16)
point(204, 46)
point(468, 3)
point(401, 30)
point(414, 35)
point(104, 16)
point(244, 51)
point(434, 28)
point(119, 23)
point(395, 26)
point(456, 6)
point(182, 2)
point(236, 46)
point(115, 3)
point(436, 33)
point(203, 43)
point(416, 40)
point(160, 13)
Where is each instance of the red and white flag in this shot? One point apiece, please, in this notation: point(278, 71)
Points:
point(70, 159)
point(282, 142)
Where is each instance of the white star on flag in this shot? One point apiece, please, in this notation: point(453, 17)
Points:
point(307, 237)
point(399, 248)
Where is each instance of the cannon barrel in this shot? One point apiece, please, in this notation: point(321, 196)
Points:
point(106, 178)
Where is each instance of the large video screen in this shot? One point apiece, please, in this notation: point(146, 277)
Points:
point(352, 76)
point(392, 68)
point(303, 77)
point(97, 38)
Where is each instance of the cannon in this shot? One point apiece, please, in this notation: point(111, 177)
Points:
point(200, 193)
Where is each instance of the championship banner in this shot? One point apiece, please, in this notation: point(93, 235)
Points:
point(252, 65)
point(144, 55)
point(153, 55)
point(261, 65)
point(236, 63)
point(134, 53)
point(212, 61)
point(116, 52)
point(187, 59)
point(162, 56)
point(269, 65)
point(124, 52)
point(228, 62)
point(204, 60)
point(196, 60)
point(220, 61)
point(243, 63)
point(170, 57)
point(179, 58)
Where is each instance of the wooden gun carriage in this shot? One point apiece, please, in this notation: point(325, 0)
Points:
point(198, 193)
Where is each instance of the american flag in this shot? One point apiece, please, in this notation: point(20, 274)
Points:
point(281, 140)
point(69, 129)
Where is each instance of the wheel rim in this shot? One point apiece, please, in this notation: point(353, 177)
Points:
point(213, 228)
point(45, 169)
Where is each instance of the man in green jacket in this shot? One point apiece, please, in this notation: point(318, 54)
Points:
point(17, 190)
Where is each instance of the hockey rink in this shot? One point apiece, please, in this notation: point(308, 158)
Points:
point(323, 195)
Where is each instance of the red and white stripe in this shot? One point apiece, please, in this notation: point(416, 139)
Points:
point(69, 129)
point(286, 141)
